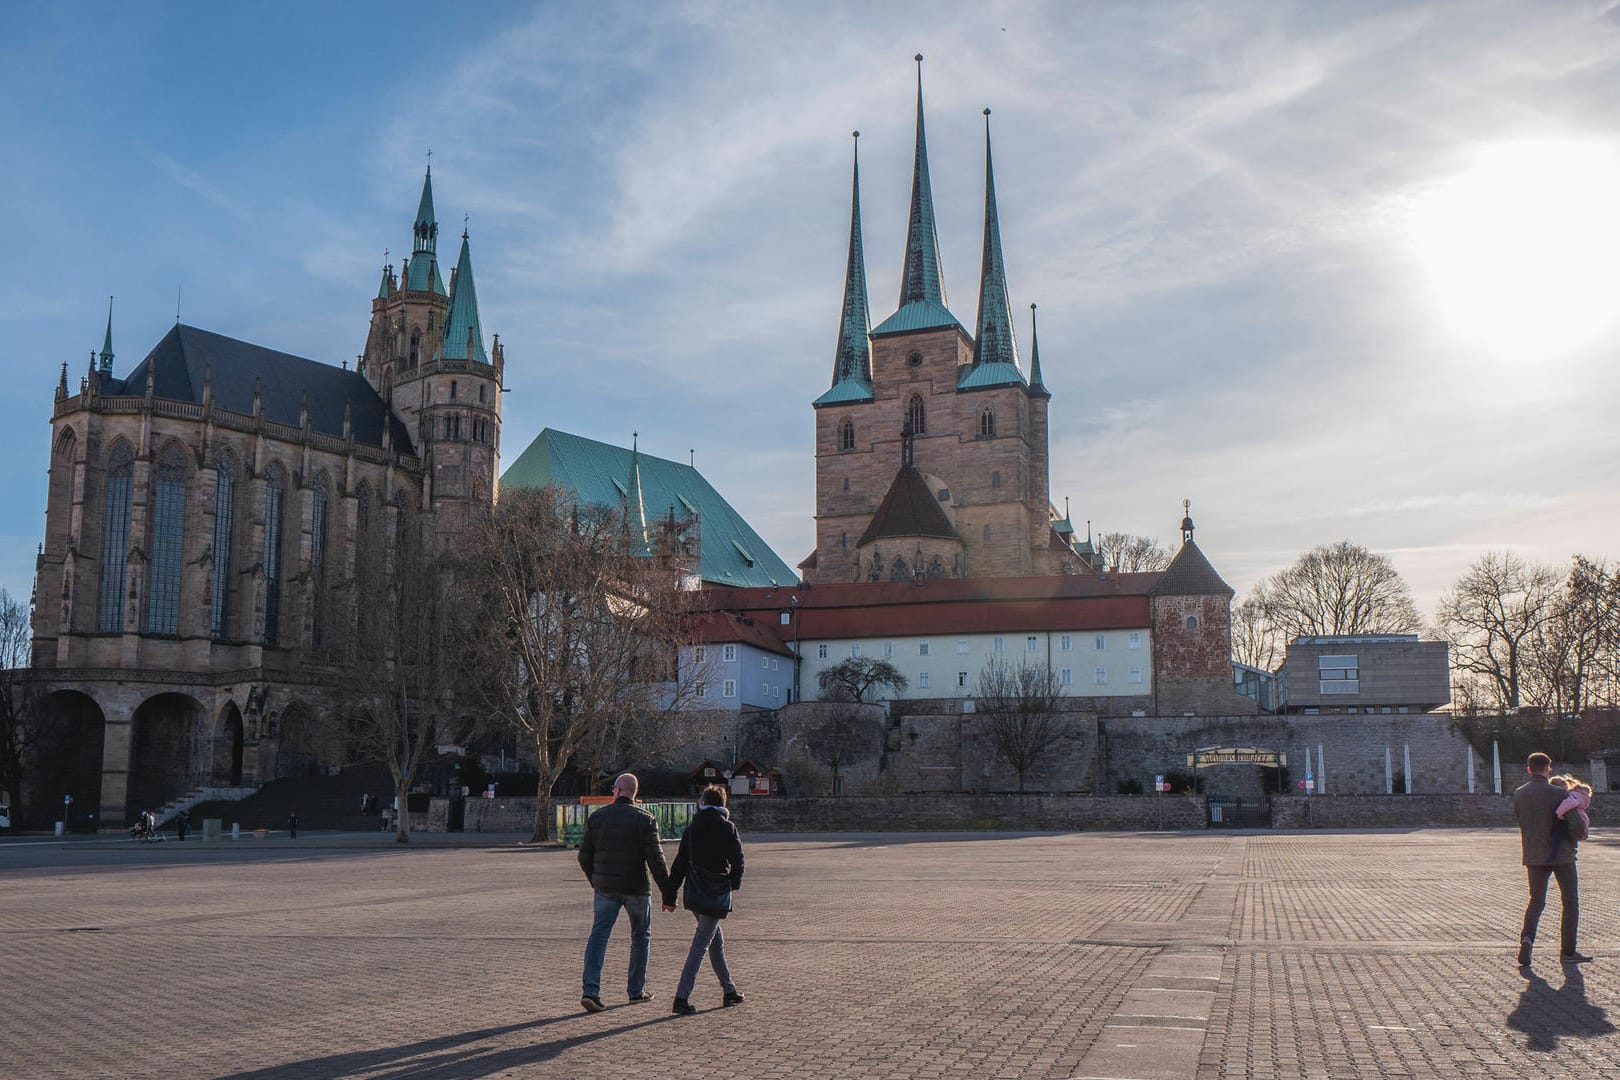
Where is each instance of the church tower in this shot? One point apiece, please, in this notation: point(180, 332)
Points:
point(975, 429)
point(425, 355)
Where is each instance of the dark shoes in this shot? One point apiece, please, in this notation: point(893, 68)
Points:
point(1574, 958)
point(733, 997)
point(1524, 954)
point(682, 1007)
point(591, 1003)
point(645, 995)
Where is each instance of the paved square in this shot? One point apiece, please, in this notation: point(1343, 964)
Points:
point(1203, 955)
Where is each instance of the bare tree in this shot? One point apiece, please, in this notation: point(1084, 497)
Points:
point(1339, 588)
point(842, 737)
point(853, 679)
point(1128, 553)
point(400, 659)
point(1571, 658)
point(1021, 705)
point(1255, 641)
point(583, 624)
point(1492, 616)
point(20, 713)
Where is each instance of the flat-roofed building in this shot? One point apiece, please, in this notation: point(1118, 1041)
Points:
point(1365, 673)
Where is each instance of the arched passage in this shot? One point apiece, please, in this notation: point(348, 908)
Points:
point(168, 730)
point(68, 764)
point(226, 757)
point(303, 745)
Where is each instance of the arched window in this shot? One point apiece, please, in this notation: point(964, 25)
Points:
point(168, 528)
point(846, 435)
point(1192, 622)
point(115, 539)
point(275, 495)
point(219, 608)
point(452, 389)
point(987, 424)
point(317, 556)
point(916, 415)
point(362, 510)
point(416, 344)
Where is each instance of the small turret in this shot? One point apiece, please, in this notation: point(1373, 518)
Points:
point(106, 344)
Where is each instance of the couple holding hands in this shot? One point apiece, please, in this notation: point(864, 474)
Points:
point(618, 850)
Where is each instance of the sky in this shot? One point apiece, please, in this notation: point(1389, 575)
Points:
point(1329, 271)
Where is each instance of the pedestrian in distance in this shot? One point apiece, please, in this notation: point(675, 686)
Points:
point(1549, 852)
point(710, 864)
point(292, 825)
point(618, 849)
point(182, 821)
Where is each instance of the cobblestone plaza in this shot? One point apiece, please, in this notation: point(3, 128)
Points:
point(1115, 955)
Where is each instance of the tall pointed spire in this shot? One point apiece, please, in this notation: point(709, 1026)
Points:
point(463, 333)
point(921, 279)
point(635, 510)
point(1035, 383)
point(852, 362)
point(993, 340)
point(106, 357)
point(423, 274)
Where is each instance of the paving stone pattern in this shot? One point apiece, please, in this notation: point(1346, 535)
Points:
point(1144, 956)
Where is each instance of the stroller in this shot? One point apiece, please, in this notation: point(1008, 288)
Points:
point(145, 827)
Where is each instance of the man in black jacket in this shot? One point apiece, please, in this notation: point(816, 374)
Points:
point(619, 847)
point(1547, 853)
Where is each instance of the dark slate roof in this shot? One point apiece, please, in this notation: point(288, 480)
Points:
point(178, 363)
point(909, 509)
point(1190, 574)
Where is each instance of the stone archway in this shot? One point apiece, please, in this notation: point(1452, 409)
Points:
point(68, 763)
point(168, 732)
point(225, 766)
point(302, 747)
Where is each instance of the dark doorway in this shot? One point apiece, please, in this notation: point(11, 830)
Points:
point(163, 761)
point(68, 764)
point(227, 756)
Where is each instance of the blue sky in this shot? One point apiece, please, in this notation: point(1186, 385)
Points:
point(1328, 270)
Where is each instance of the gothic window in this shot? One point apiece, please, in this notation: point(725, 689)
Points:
point(846, 483)
point(362, 509)
point(846, 435)
point(224, 518)
point(481, 389)
point(452, 389)
point(987, 424)
point(416, 344)
point(275, 494)
point(936, 569)
point(987, 534)
point(168, 528)
point(317, 553)
point(115, 539)
point(1192, 622)
point(995, 479)
point(898, 570)
point(401, 521)
point(916, 415)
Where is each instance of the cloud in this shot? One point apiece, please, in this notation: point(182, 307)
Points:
point(194, 182)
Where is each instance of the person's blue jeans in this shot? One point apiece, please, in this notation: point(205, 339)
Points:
point(607, 906)
point(707, 939)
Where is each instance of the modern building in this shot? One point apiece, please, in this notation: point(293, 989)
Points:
point(1365, 674)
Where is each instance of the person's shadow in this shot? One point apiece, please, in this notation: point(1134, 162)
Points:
point(1545, 1013)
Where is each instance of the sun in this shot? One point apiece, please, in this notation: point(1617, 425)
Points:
point(1521, 249)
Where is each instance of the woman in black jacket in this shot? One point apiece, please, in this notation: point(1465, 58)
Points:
point(710, 848)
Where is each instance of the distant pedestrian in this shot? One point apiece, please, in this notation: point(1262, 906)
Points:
point(710, 863)
point(292, 825)
point(619, 847)
point(181, 821)
point(1548, 852)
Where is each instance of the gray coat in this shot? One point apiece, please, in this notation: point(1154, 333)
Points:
point(1540, 832)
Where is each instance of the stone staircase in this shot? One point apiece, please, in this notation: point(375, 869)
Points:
point(195, 796)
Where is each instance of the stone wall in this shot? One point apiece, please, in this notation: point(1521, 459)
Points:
point(1411, 811)
point(957, 812)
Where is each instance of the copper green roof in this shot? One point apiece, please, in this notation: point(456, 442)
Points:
point(993, 344)
point(463, 334)
point(852, 360)
point(1035, 383)
point(423, 273)
point(984, 376)
point(106, 343)
point(386, 289)
point(917, 315)
point(732, 553)
point(921, 278)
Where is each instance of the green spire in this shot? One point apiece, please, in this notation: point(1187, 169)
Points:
point(386, 289)
point(921, 279)
point(106, 343)
point(635, 510)
point(852, 363)
point(1035, 382)
point(993, 341)
point(424, 265)
point(463, 333)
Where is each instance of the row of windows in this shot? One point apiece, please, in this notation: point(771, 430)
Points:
point(1065, 677)
point(728, 689)
point(1369, 710)
point(998, 645)
point(917, 417)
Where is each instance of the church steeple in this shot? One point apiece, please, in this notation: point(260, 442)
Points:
point(852, 361)
point(463, 333)
point(635, 509)
point(106, 356)
point(1035, 383)
point(423, 275)
point(921, 279)
point(993, 342)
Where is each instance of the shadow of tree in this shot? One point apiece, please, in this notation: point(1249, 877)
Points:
point(446, 1057)
point(1545, 1013)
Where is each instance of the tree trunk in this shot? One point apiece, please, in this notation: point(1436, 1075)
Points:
point(402, 820)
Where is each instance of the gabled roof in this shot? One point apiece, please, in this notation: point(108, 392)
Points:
point(178, 364)
point(909, 509)
point(732, 553)
point(719, 627)
point(1190, 574)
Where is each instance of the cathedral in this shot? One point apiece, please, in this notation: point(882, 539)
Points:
point(931, 444)
point(200, 504)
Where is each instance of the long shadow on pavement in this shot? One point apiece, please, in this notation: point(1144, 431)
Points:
point(1545, 1013)
point(448, 1057)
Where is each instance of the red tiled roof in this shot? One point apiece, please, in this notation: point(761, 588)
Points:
point(715, 627)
